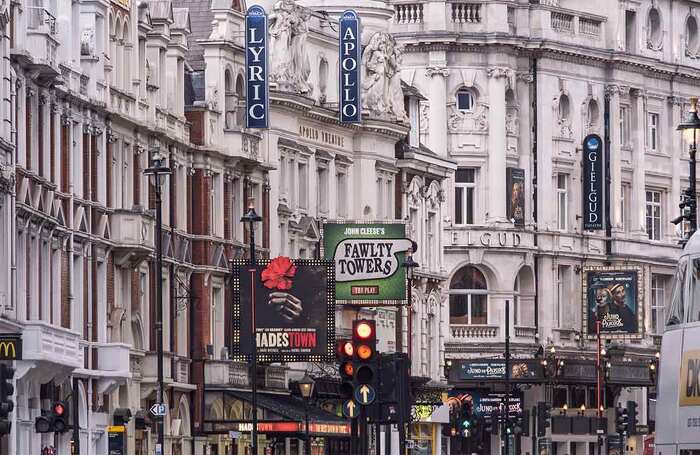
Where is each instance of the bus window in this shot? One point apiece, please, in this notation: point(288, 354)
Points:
point(694, 304)
point(677, 310)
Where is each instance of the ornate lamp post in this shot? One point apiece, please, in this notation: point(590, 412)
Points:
point(306, 386)
point(251, 217)
point(157, 172)
point(690, 128)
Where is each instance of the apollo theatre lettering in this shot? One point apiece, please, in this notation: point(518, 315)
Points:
point(349, 70)
point(592, 183)
point(256, 68)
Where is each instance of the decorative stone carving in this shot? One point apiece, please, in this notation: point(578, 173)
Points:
point(424, 110)
point(290, 67)
point(675, 101)
point(512, 122)
point(476, 121)
point(525, 77)
point(382, 96)
point(87, 40)
point(437, 71)
point(497, 72)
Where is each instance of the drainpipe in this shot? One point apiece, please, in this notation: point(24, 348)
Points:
point(533, 65)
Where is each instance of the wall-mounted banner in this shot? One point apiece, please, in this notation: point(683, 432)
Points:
point(349, 71)
point(11, 346)
point(294, 310)
point(256, 68)
point(515, 194)
point(521, 370)
point(484, 403)
point(368, 261)
point(613, 296)
point(592, 183)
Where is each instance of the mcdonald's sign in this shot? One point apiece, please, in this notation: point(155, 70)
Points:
point(10, 347)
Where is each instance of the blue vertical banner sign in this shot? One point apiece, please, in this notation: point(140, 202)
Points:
point(350, 58)
point(592, 183)
point(257, 94)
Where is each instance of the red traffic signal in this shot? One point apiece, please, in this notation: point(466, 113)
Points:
point(58, 409)
point(363, 330)
point(345, 349)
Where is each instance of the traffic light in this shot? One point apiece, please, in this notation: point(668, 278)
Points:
point(54, 420)
point(632, 417)
point(346, 369)
point(544, 414)
point(491, 422)
point(522, 423)
point(687, 206)
point(364, 340)
point(466, 419)
point(6, 392)
point(393, 385)
point(621, 420)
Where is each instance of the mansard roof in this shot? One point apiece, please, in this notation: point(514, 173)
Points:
point(181, 18)
point(161, 10)
point(201, 17)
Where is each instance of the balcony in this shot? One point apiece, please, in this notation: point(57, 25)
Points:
point(226, 373)
point(276, 377)
point(574, 27)
point(41, 44)
point(55, 350)
point(132, 233)
point(464, 333)
point(182, 370)
point(113, 358)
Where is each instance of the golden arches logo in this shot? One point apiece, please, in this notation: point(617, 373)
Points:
point(7, 347)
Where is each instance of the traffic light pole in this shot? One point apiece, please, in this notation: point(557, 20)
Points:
point(598, 388)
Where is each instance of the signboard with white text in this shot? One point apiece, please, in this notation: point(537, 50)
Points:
point(349, 71)
point(256, 68)
point(592, 183)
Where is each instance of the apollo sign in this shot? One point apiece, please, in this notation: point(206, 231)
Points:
point(592, 183)
point(349, 71)
point(256, 68)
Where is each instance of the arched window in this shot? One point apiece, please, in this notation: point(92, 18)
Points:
point(465, 100)
point(240, 119)
point(524, 298)
point(119, 55)
point(322, 80)
point(654, 28)
point(126, 40)
point(468, 297)
point(593, 113)
point(564, 107)
point(231, 100)
point(691, 36)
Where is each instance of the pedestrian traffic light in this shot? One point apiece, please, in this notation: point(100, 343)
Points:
point(54, 420)
point(544, 414)
point(632, 417)
point(6, 392)
point(687, 206)
point(364, 340)
point(346, 369)
point(621, 420)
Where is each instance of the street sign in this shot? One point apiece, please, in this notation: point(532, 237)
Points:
point(365, 394)
point(158, 409)
point(234, 434)
point(350, 409)
point(116, 429)
point(159, 449)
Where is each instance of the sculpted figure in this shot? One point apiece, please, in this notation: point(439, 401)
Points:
point(381, 80)
point(290, 66)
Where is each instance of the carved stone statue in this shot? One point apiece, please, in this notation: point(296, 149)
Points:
point(382, 96)
point(290, 67)
point(87, 39)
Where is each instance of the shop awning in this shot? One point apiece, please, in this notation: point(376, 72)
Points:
point(289, 416)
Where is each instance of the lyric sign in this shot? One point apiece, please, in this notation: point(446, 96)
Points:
point(349, 71)
point(368, 260)
point(256, 68)
point(592, 183)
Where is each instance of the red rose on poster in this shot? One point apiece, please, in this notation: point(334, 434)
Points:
point(279, 273)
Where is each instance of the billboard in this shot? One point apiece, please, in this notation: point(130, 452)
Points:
point(257, 89)
point(592, 183)
point(349, 71)
point(484, 403)
point(490, 370)
point(515, 201)
point(294, 310)
point(613, 296)
point(368, 261)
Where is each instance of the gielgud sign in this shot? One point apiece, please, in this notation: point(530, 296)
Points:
point(294, 310)
point(368, 261)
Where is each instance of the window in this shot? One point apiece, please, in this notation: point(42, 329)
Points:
point(630, 31)
point(658, 299)
point(563, 296)
point(677, 311)
point(322, 188)
point(562, 202)
point(465, 100)
point(653, 215)
point(653, 132)
point(624, 125)
point(216, 322)
point(216, 203)
point(691, 36)
point(564, 107)
point(465, 186)
point(623, 207)
point(432, 249)
point(303, 186)
point(468, 297)
point(694, 304)
point(341, 192)
point(516, 303)
point(654, 29)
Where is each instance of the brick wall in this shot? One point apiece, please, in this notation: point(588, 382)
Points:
point(65, 290)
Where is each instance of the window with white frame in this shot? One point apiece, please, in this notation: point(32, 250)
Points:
point(465, 195)
point(623, 206)
point(431, 229)
point(341, 180)
point(465, 100)
point(303, 185)
point(216, 321)
point(562, 202)
point(216, 221)
point(658, 302)
point(653, 132)
point(283, 175)
point(624, 125)
point(468, 297)
point(322, 187)
point(653, 214)
point(563, 296)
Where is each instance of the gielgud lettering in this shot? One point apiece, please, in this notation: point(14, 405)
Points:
point(286, 339)
point(370, 257)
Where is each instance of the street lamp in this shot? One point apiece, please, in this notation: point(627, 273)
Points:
point(409, 264)
point(251, 217)
point(690, 128)
point(156, 174)
point(306, 386)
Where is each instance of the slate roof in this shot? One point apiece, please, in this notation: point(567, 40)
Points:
point(201, 18)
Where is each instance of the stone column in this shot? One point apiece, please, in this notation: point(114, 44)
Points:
point(524, 132)
point(437, 134)
point(496, 187)
point(613, 93)
point(638, 196)
point(678, 149)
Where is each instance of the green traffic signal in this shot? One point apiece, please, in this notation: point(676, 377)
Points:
point(467, 424)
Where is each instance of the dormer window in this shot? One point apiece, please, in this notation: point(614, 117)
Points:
point(465, 100)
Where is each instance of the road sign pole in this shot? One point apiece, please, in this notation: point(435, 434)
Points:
point(353, 436)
